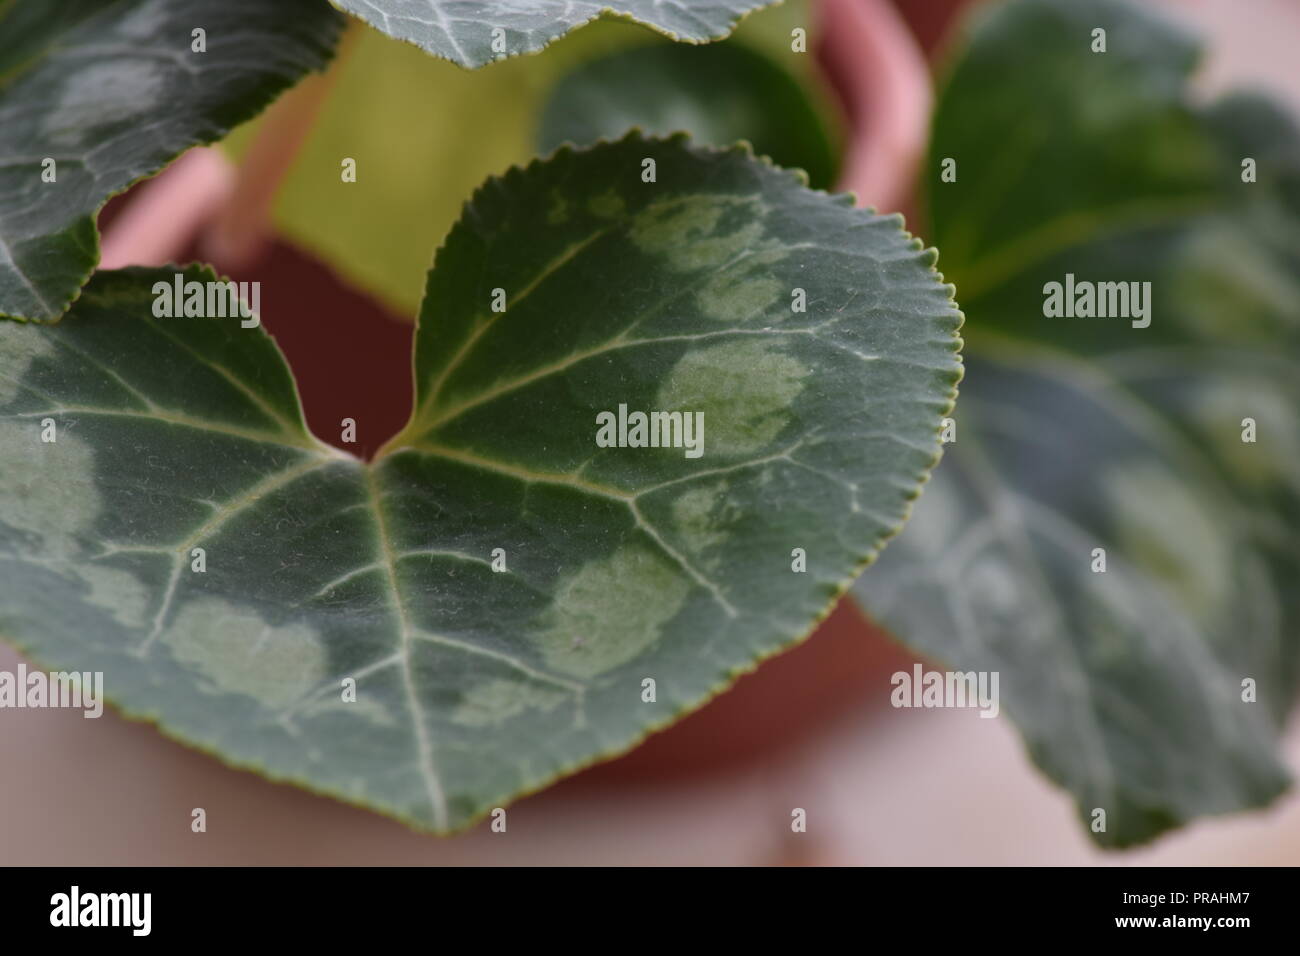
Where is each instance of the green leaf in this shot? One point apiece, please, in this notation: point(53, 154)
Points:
point(720, 94)
point(1081, 433)
point(473, 33)
point(621, 564)
point(112, 92)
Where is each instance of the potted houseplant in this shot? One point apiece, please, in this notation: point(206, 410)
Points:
point(888, 111)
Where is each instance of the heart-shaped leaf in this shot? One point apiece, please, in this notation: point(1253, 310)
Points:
point(473, 33)
point(720, 94)
point(512, 596)
point(94, 96)
point(1115, 528)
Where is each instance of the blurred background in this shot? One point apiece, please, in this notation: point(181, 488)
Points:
point(811, 729)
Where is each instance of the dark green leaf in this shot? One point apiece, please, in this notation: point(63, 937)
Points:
point(1080, 433)
point(621, 564)
point(112, 92)
point(720, 94)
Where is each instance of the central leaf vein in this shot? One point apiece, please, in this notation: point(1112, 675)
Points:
point(424, 746)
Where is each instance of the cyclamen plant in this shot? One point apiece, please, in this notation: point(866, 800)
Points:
point(669, 403)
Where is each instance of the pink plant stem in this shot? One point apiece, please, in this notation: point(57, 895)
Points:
point(883, 80)
point(158, 223)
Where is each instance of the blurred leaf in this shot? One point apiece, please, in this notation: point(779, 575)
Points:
point(473, 687)
point(473, 33)
point(1084, 433)
point(424, 134)
point(112, 92)
point(720, 94)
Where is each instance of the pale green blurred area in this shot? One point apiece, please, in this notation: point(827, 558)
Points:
point(425, 134)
